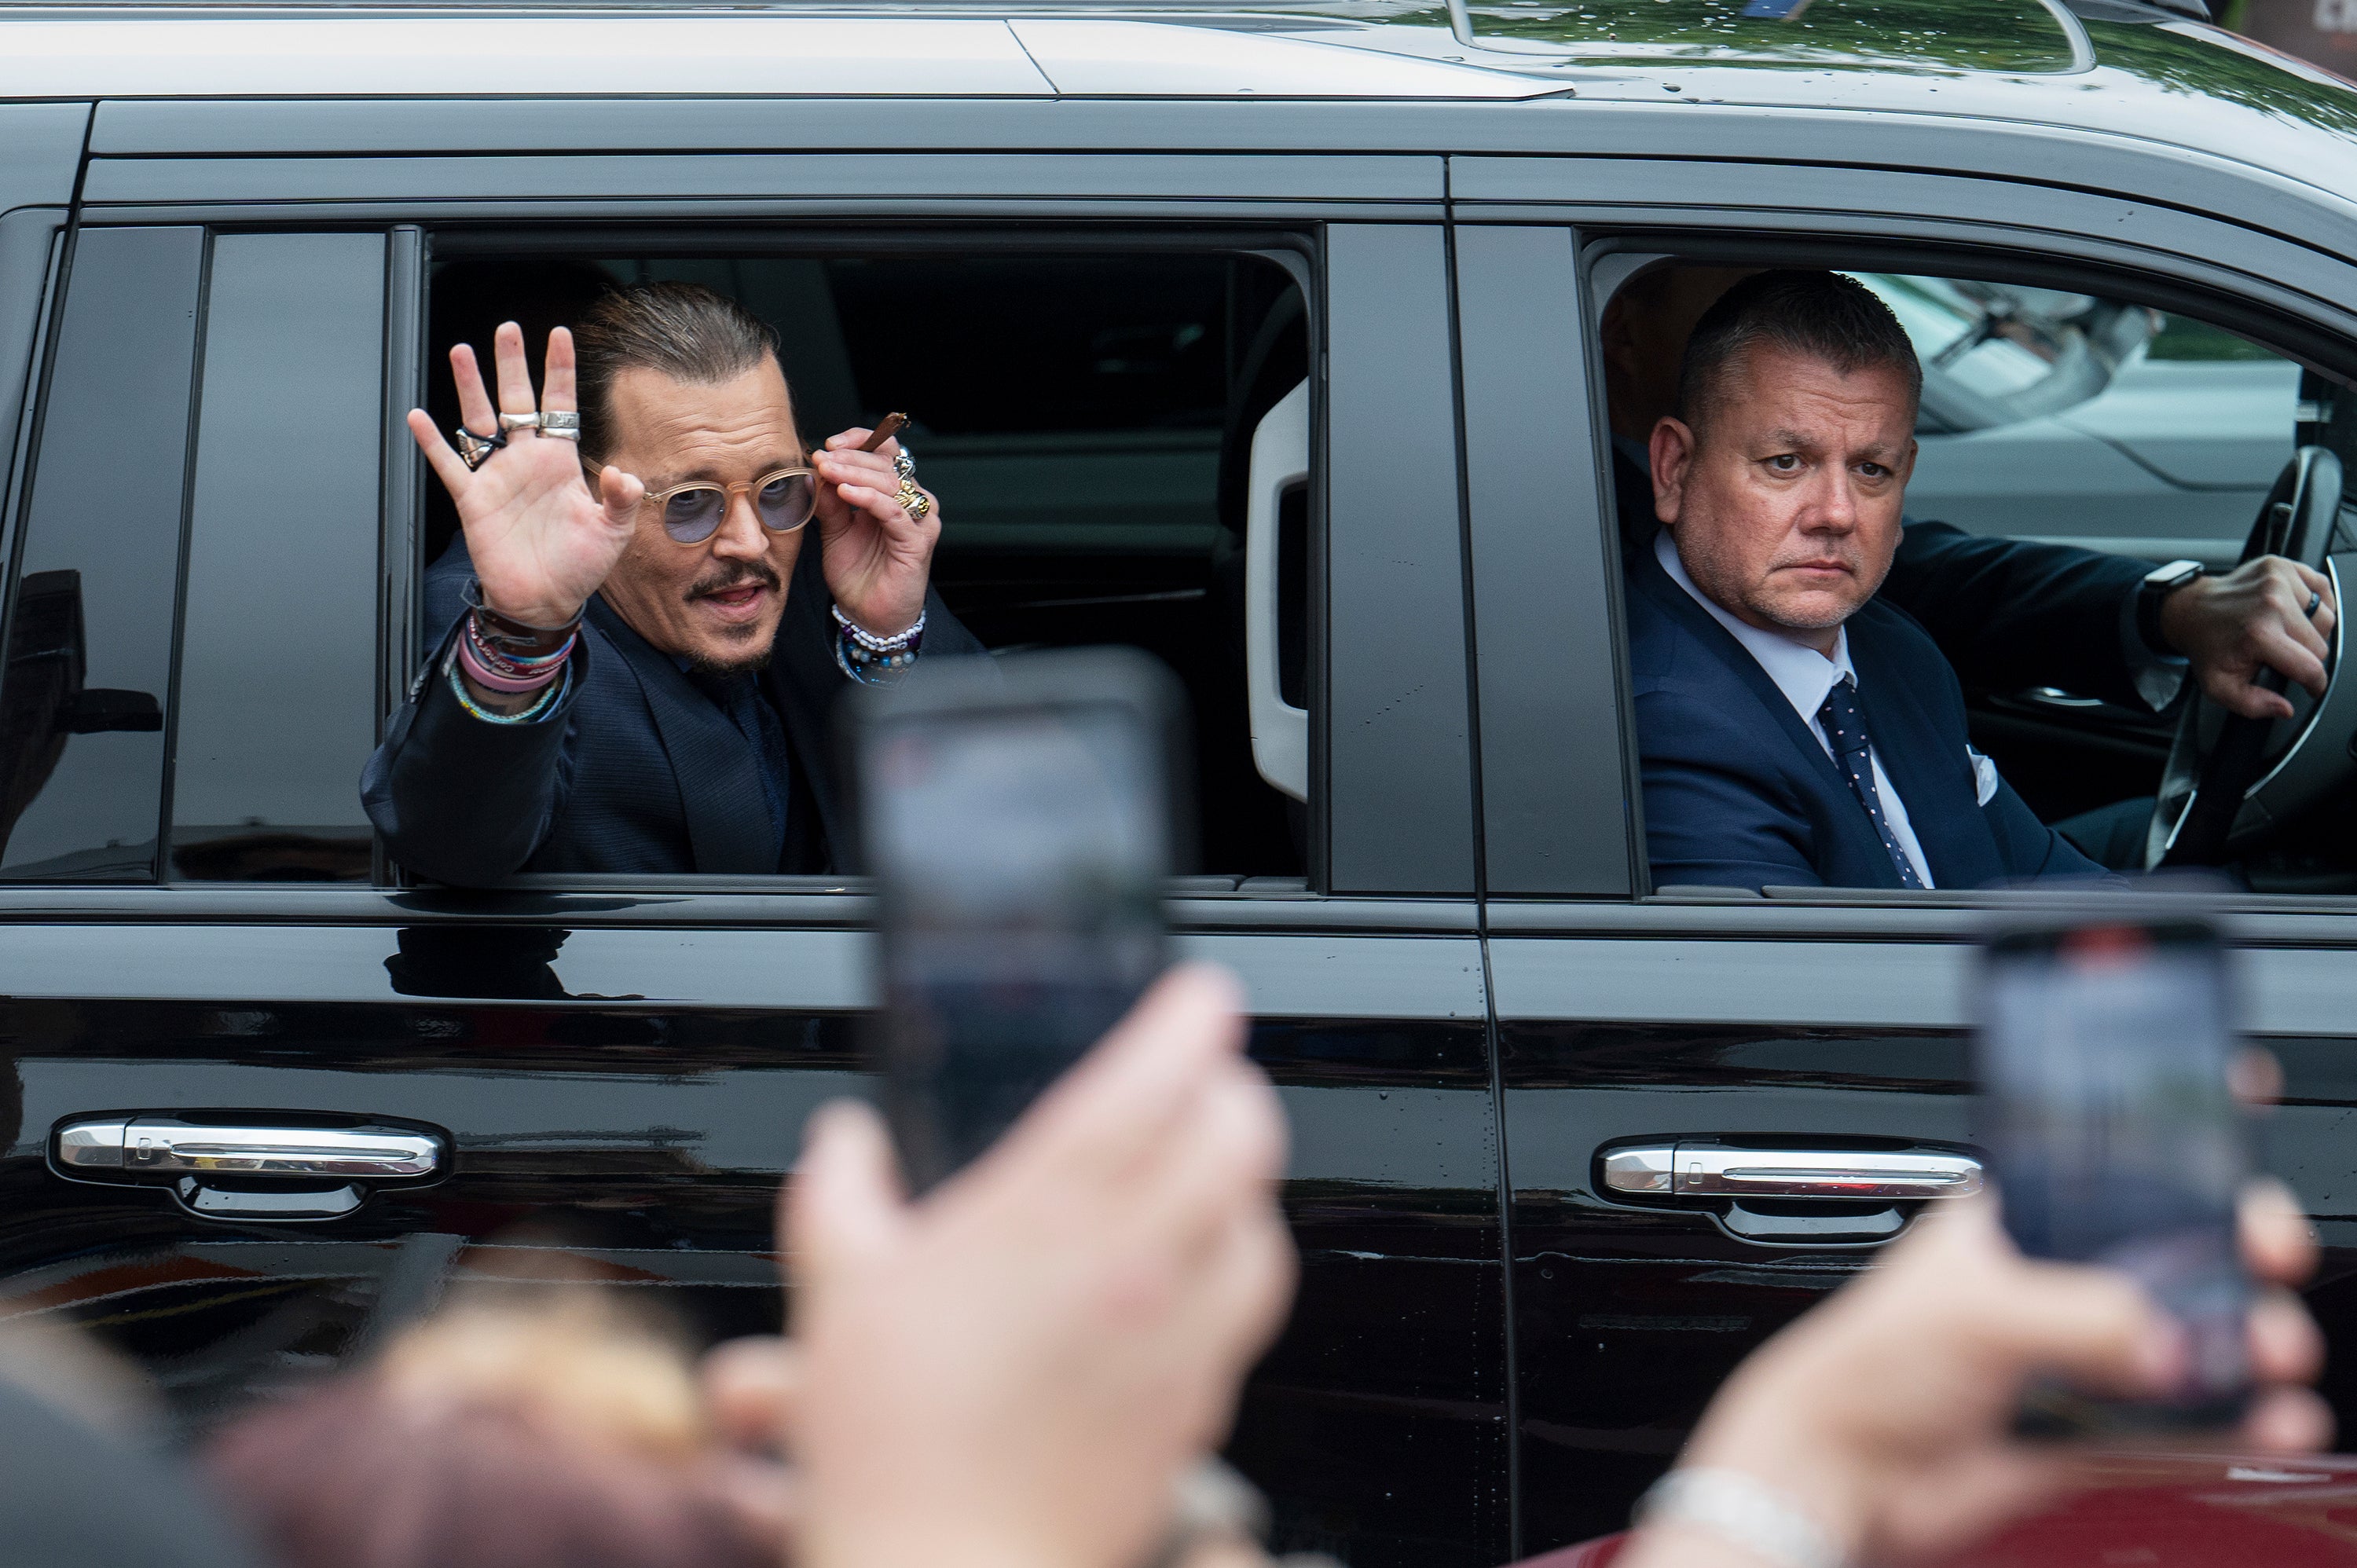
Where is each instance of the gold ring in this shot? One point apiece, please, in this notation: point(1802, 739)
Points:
point(914, 502)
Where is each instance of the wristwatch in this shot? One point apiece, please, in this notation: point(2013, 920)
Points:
point(2157, 585)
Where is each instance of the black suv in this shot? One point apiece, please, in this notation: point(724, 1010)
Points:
point(1263, 338)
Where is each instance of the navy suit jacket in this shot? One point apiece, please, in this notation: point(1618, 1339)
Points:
point(637, 770)
point(1739, 793)
point(2008, 613)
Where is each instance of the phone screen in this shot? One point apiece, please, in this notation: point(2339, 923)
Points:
point(1020, 854)
point(2115, 1140)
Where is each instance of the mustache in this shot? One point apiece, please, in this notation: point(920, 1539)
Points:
point(735, 575)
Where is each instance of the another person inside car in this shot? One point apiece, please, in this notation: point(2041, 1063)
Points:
point(636, 654)
point(2008, 614)
point(1794, 729)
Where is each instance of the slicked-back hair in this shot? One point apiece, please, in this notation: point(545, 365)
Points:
point(684, 330)
point(1818, 314)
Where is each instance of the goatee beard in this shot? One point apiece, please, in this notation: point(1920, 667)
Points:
point(754, 660)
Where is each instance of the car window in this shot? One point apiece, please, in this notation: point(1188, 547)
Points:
point(2123, 434)
point(1087, 421)
point(2074, 417)
point(90, 617)
point(277, 662)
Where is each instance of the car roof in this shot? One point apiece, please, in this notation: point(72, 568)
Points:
point(2124, 68)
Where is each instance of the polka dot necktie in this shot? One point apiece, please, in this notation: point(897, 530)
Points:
point(1845, 728)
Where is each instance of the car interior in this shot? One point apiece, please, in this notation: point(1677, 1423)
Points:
point(1118, 439)
point(2106, 422)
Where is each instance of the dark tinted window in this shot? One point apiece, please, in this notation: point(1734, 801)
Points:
point(89, 635)
point(278, 653)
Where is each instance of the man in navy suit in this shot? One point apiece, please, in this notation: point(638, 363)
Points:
point(2008, 613)
point(636, 655)
point(1794, 729)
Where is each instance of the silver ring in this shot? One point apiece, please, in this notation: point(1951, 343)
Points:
point(2314, 597)
point(509, 422)
point(904, 462)
point(563, 424)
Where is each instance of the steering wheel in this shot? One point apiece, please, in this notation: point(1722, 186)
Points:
point(2231, 781)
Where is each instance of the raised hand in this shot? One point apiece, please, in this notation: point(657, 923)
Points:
point(877, 555)
point(541, 541)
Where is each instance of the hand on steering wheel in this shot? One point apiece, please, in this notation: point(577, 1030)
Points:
point(2236, 772)
point(2254, 618)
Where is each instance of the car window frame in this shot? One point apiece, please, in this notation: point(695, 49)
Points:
point(2070, 247)
point(1295, 247)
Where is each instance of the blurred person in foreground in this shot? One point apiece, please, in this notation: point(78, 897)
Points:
point(536, 1426)
point(1013, 1371)
point(1023, 1368)
point(1043, 1349)
point(1877, 1427)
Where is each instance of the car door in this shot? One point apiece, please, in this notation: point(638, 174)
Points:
point(1656, 1047)
point(203, 941)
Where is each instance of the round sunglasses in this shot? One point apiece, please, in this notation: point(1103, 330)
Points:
point(692, 513)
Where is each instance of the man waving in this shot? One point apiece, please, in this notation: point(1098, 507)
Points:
point(637, 656)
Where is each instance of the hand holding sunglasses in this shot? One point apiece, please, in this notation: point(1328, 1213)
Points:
point(878, 527)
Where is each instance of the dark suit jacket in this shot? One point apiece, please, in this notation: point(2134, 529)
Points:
point(2006, 613)
point(636, 771)
point(1739, 793)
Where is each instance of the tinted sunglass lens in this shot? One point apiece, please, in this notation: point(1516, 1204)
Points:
point(785, 502)
point(692, 516)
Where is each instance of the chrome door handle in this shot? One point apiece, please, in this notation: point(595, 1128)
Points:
point(119, 1148)
point(1703, 1169)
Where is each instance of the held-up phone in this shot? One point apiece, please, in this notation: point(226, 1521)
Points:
point(2106, 1045)
point(1019, 816)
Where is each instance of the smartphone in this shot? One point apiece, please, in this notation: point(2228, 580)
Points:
point(2105, 1048)
point(1020, 817)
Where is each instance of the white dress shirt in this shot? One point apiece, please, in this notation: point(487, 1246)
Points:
point(1805, 676)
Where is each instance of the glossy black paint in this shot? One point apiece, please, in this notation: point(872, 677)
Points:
point(1629, 1315)
point(647, 1139)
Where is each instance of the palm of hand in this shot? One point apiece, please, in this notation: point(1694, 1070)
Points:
point(540, 542)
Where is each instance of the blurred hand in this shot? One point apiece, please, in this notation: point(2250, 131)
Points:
point(1885, 1412)
point(876, 556)
point(541, 542)
point(1014, 1371)
point(2253, 618)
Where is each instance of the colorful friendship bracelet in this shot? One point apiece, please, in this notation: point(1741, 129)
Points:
point(548, 697)
point(503, 672)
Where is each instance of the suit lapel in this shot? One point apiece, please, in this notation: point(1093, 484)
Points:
point(716, 769)
point(1925, 765)
point(1865, 847)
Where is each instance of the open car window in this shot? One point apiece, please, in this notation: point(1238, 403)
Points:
point(1088, 420)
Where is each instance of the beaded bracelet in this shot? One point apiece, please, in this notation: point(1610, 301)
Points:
point(874, 660)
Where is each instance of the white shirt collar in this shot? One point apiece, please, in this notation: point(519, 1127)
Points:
point(1801, 672)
